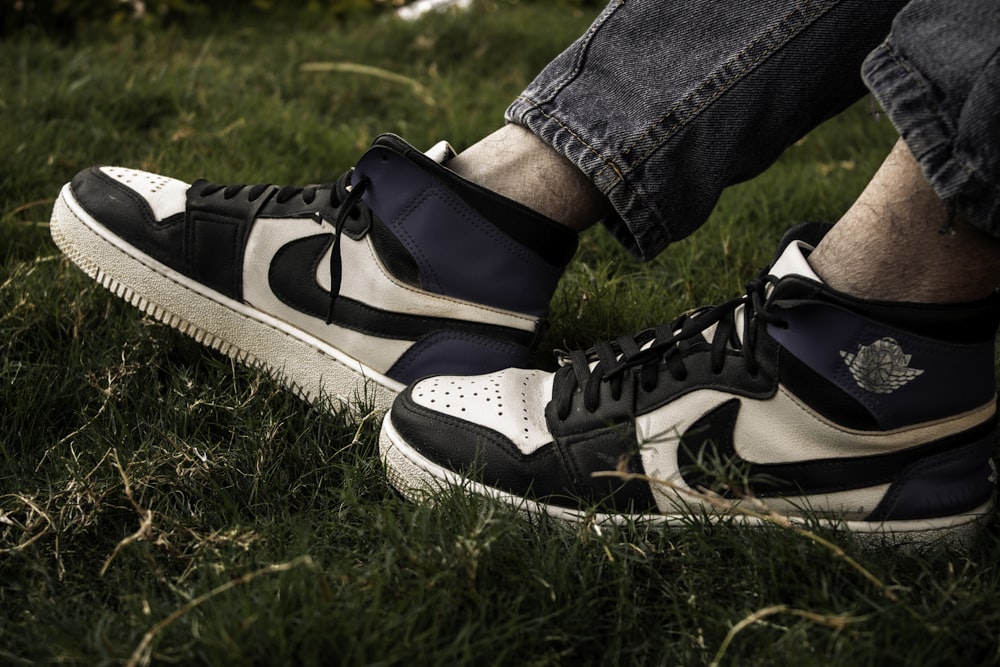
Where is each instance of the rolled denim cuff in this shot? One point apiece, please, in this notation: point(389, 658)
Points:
point(664, 104)
point(954, 137)
point(646, 232)
point(583, 126)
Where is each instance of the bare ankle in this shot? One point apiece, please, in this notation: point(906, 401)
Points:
point(900, 242)
point(515, 163)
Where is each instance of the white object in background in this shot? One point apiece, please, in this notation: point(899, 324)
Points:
point(416, 9)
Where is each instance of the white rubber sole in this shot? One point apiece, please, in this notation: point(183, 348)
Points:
point(419, 479)
point(310, 367)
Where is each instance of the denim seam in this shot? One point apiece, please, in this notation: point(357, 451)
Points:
point(581, 51)
point(397, 226)
point(621, 180)
point(775, 38)
point(917, 79)
point(935, 109)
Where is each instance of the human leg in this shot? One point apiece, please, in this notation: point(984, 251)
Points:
point(937, 76)
point(875, 413)
point(795, 399)
point(664, 104)
point(926, 229)
point(901, 242)
point(383, 305)
point(613, 118)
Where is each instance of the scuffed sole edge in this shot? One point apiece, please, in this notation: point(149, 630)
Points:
point(315, 371)
point(419, 480)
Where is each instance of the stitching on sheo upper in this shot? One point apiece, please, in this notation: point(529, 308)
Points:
point(197, 294)
point(893, 432)
point(460, 208)
point(822, 421)
point(568, 465)
point(492, 231)
point(232, 227)
point(912, 472)
point(723, 84)
point(407, 238)
point(428, 342)
point(139, 200)
point(313, 286)
point(390, 315)
point(532, 322)
point(495, 437)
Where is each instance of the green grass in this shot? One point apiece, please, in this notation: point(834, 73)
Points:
point(158, 501)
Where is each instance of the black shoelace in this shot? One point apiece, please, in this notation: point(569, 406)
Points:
point(343, 196)
point(644, 352)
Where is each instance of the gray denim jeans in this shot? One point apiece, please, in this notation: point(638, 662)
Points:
point(663, 103)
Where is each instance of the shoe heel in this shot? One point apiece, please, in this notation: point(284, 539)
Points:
point(949, 483)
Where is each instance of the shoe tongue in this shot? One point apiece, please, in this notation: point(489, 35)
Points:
point(793, 262)
point(441, 152)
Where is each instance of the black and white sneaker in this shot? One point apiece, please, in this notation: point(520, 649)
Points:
point(353, 289)
point(878, 417)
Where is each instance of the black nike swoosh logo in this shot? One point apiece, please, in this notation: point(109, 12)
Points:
point(292, 278)
point(707, 456)
point(292, 274)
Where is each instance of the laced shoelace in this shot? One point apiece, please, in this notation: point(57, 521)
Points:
point(344, 197)
point(644, 352)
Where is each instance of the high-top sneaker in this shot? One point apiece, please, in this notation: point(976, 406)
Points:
point(349, 290)
point(793, 401)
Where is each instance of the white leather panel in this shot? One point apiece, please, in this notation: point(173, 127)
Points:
point(166, 196)
point(511, 402)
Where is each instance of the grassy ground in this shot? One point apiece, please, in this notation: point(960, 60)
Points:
point(158, 503)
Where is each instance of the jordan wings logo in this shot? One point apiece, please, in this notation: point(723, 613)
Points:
point(881, 367)
point(707, 456)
